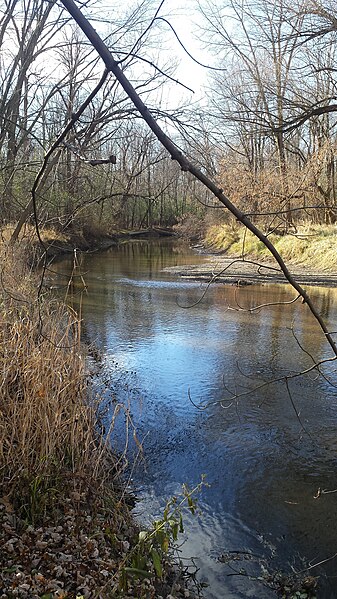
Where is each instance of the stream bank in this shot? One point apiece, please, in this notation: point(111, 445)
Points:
point(86, 239)
point(309, 252)
point(245, 271)
point(65, 512)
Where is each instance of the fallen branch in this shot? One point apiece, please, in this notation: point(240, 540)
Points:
point(185, 164)
point(91, 161)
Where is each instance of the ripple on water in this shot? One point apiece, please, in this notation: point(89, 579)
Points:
point(265, 452)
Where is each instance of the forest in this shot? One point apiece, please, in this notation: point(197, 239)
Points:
point(101, 135)
point(264, 130)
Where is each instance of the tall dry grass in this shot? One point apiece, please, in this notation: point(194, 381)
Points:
point(312, 245)
point(48, 441)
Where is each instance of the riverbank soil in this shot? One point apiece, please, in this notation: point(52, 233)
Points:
point(244, 271)
point(55, 243)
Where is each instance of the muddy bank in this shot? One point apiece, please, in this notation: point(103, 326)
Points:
point(88, 241)
point(236, 271)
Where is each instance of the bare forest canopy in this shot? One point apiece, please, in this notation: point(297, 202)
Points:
point(265, 130)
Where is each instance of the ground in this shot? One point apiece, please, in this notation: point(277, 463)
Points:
point(244, 272)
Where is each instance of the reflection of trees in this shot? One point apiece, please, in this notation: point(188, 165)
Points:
point(220, 341)
point(261, 333)
point(324, 298)
point(140, 257)
point(252, 461)
point(134, 311)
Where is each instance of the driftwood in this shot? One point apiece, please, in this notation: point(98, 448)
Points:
point(93, 161)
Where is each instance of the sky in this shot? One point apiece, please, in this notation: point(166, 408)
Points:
point(184, 18)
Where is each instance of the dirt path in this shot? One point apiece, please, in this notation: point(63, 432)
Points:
point(236, 271)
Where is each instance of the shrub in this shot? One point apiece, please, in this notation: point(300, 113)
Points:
point(47, 426)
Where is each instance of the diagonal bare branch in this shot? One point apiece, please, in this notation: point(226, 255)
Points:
point(187, 165)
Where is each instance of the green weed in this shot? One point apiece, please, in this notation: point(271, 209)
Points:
point(147, 559)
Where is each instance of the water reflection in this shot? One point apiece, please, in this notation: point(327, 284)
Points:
point(265, 453)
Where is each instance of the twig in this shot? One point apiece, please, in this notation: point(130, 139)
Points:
point(217, 275)
point(185, 164)
point(295, 409)
point(324, 561)
point(260, 306)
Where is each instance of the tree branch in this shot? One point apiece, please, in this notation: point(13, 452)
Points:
point(184, 163)
point(32, 203)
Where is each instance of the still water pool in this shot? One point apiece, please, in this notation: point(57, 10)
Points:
point(265, 453)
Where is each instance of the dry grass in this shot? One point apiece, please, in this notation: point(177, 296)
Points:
point(222, 237)
point(28, 234)
point(47, 427)
point(313, 246)
point(57, 472)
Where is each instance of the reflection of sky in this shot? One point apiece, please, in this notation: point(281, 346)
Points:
point(262, 466)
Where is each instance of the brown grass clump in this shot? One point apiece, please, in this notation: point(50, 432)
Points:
point(47, 425)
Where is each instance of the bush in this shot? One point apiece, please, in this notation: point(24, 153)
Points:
point(47, 428)
point(190, 227)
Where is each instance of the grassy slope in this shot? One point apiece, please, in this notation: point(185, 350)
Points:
point(313, 246)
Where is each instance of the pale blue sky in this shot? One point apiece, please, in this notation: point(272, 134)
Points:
point(184, 17)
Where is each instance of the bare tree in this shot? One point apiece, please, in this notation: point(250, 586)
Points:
point(29, 28)
point(185, 165)
point(38, 102)
point(258, 46)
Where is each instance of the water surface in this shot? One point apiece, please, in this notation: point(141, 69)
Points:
point(265, 453)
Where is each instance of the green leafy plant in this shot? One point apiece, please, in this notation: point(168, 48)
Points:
point(146, 560)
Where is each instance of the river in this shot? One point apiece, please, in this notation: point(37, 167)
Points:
point(265, 453)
